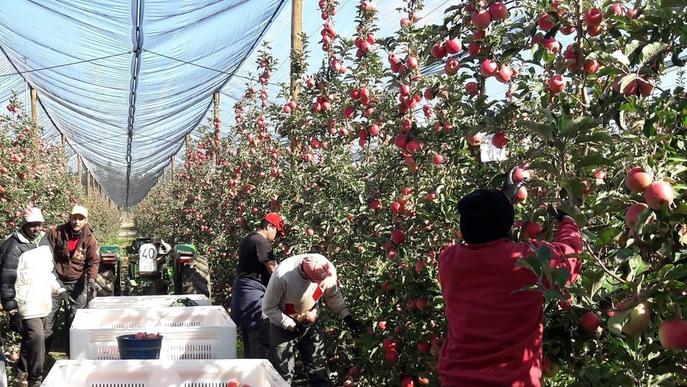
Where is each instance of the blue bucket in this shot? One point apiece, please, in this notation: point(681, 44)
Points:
point(132, 348)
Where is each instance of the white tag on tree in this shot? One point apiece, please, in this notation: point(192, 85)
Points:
point(488, 152)
point(147, 258)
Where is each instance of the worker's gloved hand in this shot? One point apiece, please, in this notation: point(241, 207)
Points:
point(557, 213)
point(91, 289)
point(16, 323)
point(353, 325)
point(289, 324)
point(510, 187)
point(64, 296)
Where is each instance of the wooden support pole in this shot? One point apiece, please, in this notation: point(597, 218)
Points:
point(64, 143)
point(296, 43)
point(215, 107)
point(78, 169)
point(172, 163)
point(34, 117)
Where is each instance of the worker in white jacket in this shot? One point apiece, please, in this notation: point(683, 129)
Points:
point(291, 304)
point(28, 285)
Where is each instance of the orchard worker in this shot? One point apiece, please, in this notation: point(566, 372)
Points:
point(291, 304)
point(77, 259)
point(256, 264)
point(495, 328)
point(28, 286)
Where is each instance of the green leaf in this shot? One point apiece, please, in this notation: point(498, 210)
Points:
point(542, 130)
point(598, 279)
point(651, 50)
point(637, 267)
point(595, 137)
point(578, 125)
point(593, 160)
point(617, 322)
point(621, 58)
point(560, 277)
point(632, 46)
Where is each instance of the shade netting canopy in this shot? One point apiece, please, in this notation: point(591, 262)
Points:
point(125, 81)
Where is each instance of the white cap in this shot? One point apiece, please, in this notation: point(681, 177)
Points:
point(80, 210)
point(33, 215)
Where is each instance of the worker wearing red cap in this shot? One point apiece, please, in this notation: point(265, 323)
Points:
point(291, 304)
point(256, 264)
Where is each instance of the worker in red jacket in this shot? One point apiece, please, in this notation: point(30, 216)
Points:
point(494, 329)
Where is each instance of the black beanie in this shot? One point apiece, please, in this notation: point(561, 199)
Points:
point(485, 216)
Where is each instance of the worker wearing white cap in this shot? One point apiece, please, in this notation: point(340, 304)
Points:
point(28, 285)
point(77, 259)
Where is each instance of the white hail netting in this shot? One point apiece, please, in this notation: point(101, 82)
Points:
point(99, 88)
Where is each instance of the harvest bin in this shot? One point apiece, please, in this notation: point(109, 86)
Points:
point(199, 332)
point(162, 373)
point(146, 302)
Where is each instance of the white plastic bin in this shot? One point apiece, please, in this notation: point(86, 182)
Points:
point(145, 302)
point(162, 373)
point(197, 332)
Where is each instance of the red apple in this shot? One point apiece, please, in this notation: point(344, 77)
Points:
point(633, 212)
point(645, 87)
point(546, 22)
point(439, 51)
point(233, 383)
point(498, 11)
point(481, 19)
point(533, 229)
point(474, 48)
point(637, 180)
point(593, 17)
point(375, 204)
point(472, 88)
point(551, 45)
point(488, 67)
point(499, 140)
point(452, 66)
point(349, 111)
point(595, 30)
point(504, 74)
point(556, 84)
point(591, 66)
point(567, 30)
point(618, 9)
point(590, 321)
point(520, 174)
point(520, 195)
point(398, 236)
point(673, 334)
point(438, 159)
point(411, 62)
point(374, 130)
point(407, 381)
point(659, 194)
point(453, 46)
point(381, 325)
point(631, 88)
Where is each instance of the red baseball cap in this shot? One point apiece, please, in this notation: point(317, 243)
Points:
point(277, 221)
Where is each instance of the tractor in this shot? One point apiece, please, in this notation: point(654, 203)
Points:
point(108, 282)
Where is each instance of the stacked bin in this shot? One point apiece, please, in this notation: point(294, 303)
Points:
point(198, 346)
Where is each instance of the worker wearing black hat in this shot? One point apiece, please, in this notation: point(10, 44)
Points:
point(494, 325)
point(256, 264)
